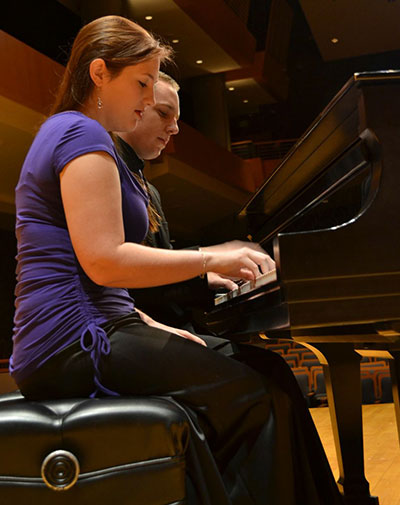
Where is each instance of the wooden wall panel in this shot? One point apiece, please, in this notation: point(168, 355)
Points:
point(193, 148)
point(28, 77)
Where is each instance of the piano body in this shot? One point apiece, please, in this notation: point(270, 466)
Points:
point(331, 213)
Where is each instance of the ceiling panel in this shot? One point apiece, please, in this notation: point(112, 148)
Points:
point(246, 96)
point(171, 22)
point(360, 26)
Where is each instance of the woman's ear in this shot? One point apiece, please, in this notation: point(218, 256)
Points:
point(98, 71)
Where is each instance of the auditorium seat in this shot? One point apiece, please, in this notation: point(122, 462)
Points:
point(368, 390)
point(279, 346)
point(296, 354)
point(309, 362)
point(303, 379)
point(296, 351)
point(319, 386)
point(385, 388)
point(366, 359)
point(314, 370)
point(303, 372)
point(374, 365)
point(278, 350)
point(307, 354)
point(367, 386)
point(290, 360)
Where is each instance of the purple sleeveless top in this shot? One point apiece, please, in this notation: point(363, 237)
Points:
point(56, 302)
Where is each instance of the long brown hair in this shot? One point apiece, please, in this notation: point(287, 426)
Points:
point(119, 42)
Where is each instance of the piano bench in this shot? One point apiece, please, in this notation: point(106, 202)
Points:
point(85, 451)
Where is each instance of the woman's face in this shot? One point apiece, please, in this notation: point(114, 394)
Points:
point(125, 97)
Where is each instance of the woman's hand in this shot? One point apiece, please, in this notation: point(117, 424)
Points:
point(243, 263)
point(264, 263)
point(179, 332)
point(170, 329)
point(233, 245)
point(216, 281)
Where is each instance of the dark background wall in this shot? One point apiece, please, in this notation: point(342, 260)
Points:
point(313, 82)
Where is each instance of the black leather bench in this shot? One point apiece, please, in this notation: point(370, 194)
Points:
point(122, 451)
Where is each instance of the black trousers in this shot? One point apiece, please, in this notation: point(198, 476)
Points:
point(260, 446)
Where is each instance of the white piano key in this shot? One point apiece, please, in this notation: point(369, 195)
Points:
point(247, 287)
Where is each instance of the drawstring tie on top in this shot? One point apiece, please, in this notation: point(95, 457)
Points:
point(95, 341)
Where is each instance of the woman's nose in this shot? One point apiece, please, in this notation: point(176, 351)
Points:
point(149, 97)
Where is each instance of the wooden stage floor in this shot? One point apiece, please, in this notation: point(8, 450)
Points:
point(381, 449)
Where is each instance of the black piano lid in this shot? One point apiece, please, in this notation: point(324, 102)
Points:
point(257, 203)
point(346, 273)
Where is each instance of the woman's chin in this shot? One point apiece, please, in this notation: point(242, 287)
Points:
point(129, 126)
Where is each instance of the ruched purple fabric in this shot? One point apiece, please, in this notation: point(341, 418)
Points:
point(56, 302)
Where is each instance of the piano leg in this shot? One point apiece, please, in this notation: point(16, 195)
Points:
point(341, 365)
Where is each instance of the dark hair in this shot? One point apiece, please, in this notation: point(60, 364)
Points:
point(119, 42)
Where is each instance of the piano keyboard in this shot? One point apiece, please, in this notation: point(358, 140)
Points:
point(247, 287)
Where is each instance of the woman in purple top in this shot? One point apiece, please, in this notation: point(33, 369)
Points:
point(81, 217)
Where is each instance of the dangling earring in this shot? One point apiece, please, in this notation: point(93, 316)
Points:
point(99, 103)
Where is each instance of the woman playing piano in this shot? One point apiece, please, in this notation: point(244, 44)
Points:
point(81, 218)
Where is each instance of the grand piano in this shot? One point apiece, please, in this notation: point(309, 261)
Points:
point(331, 214)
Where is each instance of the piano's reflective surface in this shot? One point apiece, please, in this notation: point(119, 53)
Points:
point(330, 213)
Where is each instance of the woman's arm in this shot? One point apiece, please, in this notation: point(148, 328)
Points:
point(91, 194)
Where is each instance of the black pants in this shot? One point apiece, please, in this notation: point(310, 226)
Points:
point(261, 446)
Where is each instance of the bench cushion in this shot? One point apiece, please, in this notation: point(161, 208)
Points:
point(130, 450)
